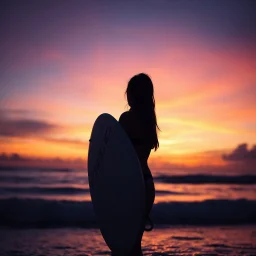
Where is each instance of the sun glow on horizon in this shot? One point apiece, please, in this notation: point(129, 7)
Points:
point(67, 72)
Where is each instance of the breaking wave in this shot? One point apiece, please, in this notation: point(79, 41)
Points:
point(53, 213)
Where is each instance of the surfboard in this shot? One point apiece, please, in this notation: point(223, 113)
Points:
point(116, 185)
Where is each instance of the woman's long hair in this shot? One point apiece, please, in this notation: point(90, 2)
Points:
point(140, 97)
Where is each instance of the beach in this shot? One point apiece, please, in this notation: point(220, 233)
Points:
point(165, 240)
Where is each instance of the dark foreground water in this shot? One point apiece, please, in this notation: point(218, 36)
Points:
point(45, 211)
point(171, 240)
point(36, 197)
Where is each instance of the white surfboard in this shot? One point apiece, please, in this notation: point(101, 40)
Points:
point(116, 185)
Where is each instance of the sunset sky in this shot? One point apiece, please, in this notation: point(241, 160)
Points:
point(65, 62)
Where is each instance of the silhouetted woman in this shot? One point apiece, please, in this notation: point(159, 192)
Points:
point(141, 126)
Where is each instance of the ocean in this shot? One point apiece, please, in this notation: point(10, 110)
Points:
point(47, 211)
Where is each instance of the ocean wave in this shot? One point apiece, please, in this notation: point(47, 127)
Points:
point(43, 190)
point(19, 179)
point(52, 213)
point(207, 179)
point(37, 190)
point(31, 169)
point(170, 179)
point(177, 193)
point(43, 179)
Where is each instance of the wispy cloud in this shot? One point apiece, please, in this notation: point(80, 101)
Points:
point(68, 142)
point(17, 133)
point(25, 127)
point(20, 160)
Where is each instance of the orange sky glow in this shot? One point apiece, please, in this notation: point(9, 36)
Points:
point(205, 89)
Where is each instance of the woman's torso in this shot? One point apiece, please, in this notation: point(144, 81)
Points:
point(140, 140)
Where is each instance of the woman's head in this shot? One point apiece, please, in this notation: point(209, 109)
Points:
point(140, 97)
point(140, 91)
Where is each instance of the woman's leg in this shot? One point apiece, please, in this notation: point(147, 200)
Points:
point(150, 198)
point(137, 251)
point(150, 194)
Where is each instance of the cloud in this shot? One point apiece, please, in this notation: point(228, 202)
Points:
point(15, 159)
point(24, 127)
point(20, 123)
point(241, 153)
point(12, 157)
point(46, 136)
point(70, 142)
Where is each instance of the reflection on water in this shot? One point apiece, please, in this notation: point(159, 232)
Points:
point(201, 192)
point(72, 184)
point(232, 240)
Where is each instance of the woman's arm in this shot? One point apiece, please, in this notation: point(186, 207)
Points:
point(142, 149)
point(125, 123)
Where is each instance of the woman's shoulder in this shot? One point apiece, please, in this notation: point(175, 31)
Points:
point(125, 116)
